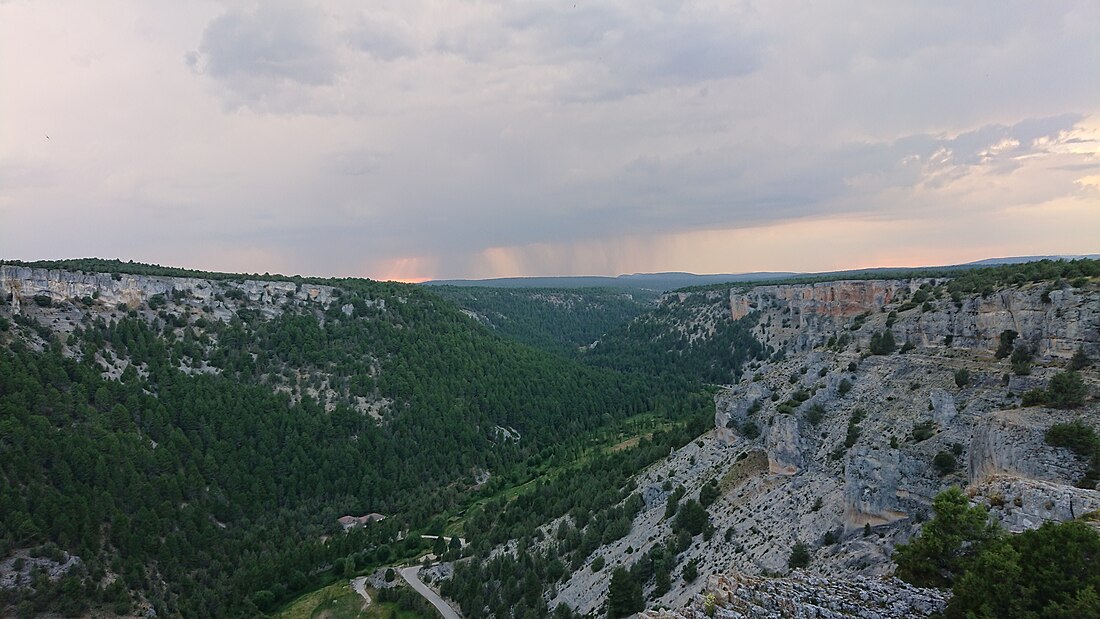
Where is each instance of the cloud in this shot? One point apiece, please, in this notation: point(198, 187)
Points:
point(612, 50)
point(430, 138)
point(384, 37)
point(266, 51)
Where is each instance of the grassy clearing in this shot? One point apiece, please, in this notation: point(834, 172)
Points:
point(626, 434)
point(339, 601)
point(308, 605)
point(390, 610)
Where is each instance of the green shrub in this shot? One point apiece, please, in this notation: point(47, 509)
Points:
point(843, 387)
point(815, 414)
point(944, 462)
point(598, 563)
point(883, 343)
point(1079, 361)
point(1075, 436)
point(800, 556)
point(854, 431)
point(923, 431)
point(43, 300)
point(691, 517)
point(691, 571)
point(1004, 348)
point(709, 493)
point(1066, 390)
point(946, 543)
point(1044, 573)
point(1021, 360)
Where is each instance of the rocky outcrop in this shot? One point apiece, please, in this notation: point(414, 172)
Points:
point(799, 317)
point(1010, 443)
point(806, 596)
point(784, 448)
point(811, 302)
point(17, 571)
point(1019, 504)
point(871, 481)
point(24, 283)
point(943, 406)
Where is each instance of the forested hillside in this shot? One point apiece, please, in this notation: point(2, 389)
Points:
point(194, 449)
point(689, 337)
point(555, 319)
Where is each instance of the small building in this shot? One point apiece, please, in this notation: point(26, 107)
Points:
point(350, 522)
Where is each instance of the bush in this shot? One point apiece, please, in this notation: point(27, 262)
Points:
point(843, 387)
point(1079, 361)
point(598, 563)
point(800, 556)
point(1004, 347)
point(691, 571)
point(815, 414)
point(709, 493)
point(883, 343)
point(43, 300)
point(946, 543)
point(1066, 390)
point(944, 462)
point(1035, 397)
point(750, 430)
point(923, 431)
point(1047, 572)
point(962, 377)
point(691, 517)
point(1021, 360)
point(1075, 436)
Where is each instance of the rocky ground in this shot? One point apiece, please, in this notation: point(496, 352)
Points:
point(845, 457)
point(805, 596)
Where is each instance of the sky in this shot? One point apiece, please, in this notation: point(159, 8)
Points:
point(427, 139)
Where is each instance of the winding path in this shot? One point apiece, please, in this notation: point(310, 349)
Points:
point(412, 576)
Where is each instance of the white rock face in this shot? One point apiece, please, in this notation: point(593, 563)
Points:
point(23, 283)
point(784, 446)
point(797, 482)
point(1020, 504)
point(806, 596)
point(803, 316)
point(943, 406)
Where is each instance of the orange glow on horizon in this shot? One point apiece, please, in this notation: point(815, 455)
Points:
point(406, 270)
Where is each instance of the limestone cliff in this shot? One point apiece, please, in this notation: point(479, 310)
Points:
point(827, 445)
point(24, 283)
point(61, 301)
point(800, 317)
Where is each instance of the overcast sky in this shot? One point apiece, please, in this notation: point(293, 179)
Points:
point(434, 139)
